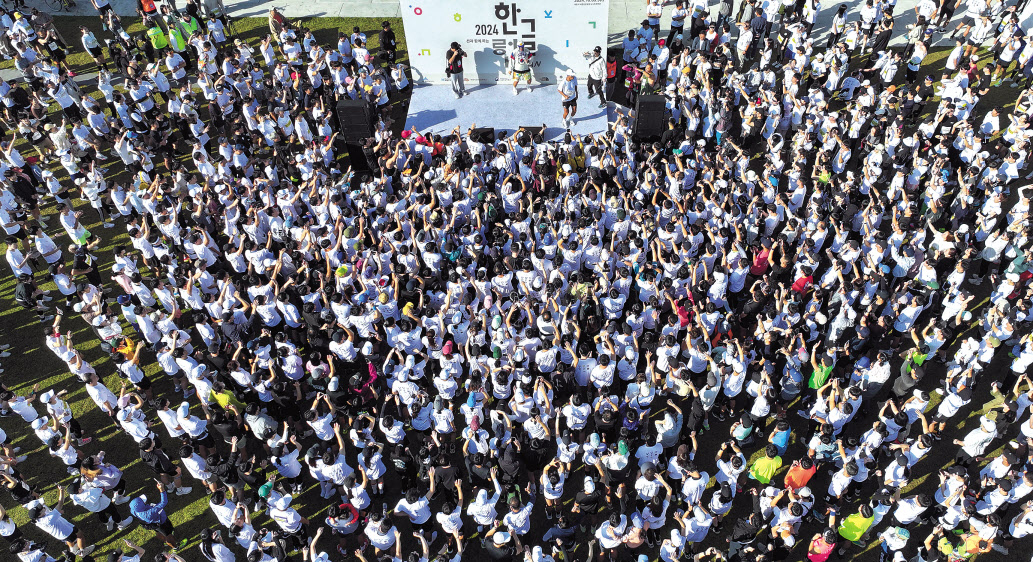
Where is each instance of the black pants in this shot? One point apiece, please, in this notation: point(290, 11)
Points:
point(109, 514)
point(596, 87)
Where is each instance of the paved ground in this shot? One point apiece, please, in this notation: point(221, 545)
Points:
point(628, 14)
point(624, 14)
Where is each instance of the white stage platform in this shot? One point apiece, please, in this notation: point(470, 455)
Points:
point(433, 108)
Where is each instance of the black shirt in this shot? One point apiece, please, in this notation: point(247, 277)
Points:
point(157, 460)
point(745, 530)
point(455, 66)
point(387, 40)
point(445, 476)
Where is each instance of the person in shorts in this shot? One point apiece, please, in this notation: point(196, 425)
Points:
point(520, 65)
point(568, 90)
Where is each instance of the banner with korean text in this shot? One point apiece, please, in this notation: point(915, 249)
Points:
point(559, 32)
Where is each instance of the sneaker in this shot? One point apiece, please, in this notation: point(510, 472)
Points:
point(111, 525)
point(706, 425)
point(109, 224)
point(73, 75)
point(125, 523)
point(515, 91)
point(1000, 548)
point(22, 457)
point(120, 499)
point(100, 156)
point(86, 551)
point(719, 415)
point(85, 441)
point(43, 319)
point(602, 104)
point(183, 491)
point(548, 515)
point(44, 298)
point(5, 354)
point(5, 346)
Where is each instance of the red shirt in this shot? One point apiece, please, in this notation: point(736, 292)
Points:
point(760, 262)
point(802, 284)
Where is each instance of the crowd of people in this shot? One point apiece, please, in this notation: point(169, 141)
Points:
point(769, 334)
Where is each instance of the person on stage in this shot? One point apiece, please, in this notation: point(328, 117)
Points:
point(454, 69)
point(520, 65)
point(568, 89)
point(597, 68)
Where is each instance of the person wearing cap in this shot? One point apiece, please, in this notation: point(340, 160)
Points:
point(52, 522)
point(454, 68)
point(519, 63)
point(498, 544)
point(153, 517)
point(975, 442)
point(388, 43)
point(597, 72)
point(568, 91)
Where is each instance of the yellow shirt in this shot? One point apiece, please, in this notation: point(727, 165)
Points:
point(225, 398)
point(764, 469)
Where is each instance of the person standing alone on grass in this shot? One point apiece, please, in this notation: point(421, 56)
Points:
point(454, 68)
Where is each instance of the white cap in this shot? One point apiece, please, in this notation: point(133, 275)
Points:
point(501, 537)
point(46, 396)
point(282, 502)
point(987, 424)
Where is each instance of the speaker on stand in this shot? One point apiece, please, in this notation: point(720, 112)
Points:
point(483, 135)
point(649, 117)
point(356, 122)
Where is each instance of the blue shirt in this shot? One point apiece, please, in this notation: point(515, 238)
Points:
point(150, 513)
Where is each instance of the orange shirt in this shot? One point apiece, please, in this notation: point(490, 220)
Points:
point(797, 477)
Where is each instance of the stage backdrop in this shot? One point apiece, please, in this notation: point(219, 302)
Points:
point(558, 31)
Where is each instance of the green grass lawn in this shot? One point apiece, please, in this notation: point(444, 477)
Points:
point(32, 364)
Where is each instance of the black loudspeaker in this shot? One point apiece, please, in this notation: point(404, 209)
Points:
point(649, 117)
point(483, 135)
point(355, 119)
point(535, 130)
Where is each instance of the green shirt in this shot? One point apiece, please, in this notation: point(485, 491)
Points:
point(855, 526)
point(915, 360)
point(764, 469)
point(820, 376)
point(157, 37)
